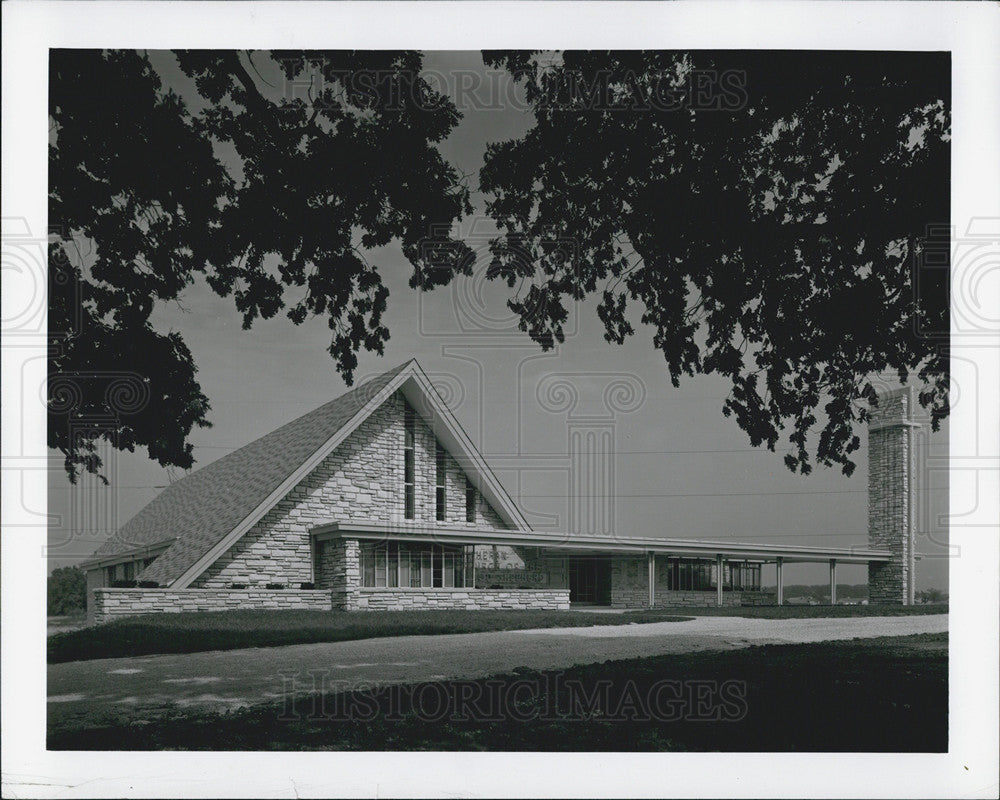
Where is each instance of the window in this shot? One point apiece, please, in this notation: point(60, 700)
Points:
point(129, 568)
point(686, 581)
point(694, 575)
point(744, 575)
point(702, 576)
point(405, 564)
point(409, 488)
point(470, 501)
point(440, 471)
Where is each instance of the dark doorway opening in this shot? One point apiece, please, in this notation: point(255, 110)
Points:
point(590, 580)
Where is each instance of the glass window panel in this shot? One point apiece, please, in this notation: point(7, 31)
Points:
point(367, 565)
point(380, 562)
point(426, 571)
point(439, 503)
point(449, 570)
point(470, 566)
point(437, 577)
point(409, 465)
point(470, 501)
point(393, 566)
point(404, 565)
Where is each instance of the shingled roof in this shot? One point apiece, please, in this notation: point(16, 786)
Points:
point(205, 506)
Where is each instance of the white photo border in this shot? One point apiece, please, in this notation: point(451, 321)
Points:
point(970, 31)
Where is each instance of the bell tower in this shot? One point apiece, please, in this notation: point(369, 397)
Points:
point(890, 497)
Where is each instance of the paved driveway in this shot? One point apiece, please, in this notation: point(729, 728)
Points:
point(234, 678)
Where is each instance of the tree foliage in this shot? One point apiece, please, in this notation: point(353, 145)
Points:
point(271, 189)
point(761, 213)
point(764, 211)
point(67, 591)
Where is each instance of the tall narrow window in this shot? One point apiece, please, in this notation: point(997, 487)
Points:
point(439, 498)
point(470, 501)
point(409, 489)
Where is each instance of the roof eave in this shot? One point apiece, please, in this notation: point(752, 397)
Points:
point(598, 544)
point(126, 555)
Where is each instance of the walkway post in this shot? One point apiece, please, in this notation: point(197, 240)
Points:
point(833, 581)
point(781, 580)
point(718, 581)
point(651, 558)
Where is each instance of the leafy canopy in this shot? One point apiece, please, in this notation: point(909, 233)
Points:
point(271, 188)
point(761, 213)
point(763, 210)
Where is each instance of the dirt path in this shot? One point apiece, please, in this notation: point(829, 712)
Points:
point(234, 678)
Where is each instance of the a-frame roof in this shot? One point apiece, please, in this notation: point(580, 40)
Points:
point(208, 510)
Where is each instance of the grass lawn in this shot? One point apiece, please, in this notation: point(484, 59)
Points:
point(228, 630)
point(871, 695)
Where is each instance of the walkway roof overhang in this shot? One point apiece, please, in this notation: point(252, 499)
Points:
point(598, 545)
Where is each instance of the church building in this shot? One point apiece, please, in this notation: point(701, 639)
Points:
point(379, 500)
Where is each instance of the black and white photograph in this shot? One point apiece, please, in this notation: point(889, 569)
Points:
point(394, 406)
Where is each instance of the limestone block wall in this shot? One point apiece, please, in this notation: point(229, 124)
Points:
point(466, 599)
point(111, 604)
point(361, 481)
point(340, 571)
point(629, 582)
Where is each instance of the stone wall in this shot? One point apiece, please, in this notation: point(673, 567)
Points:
point(763, 598)
point(889, 512)
point(361, 481)
point(340, 571)
point(466, 599)
point(111, 604)
point(629, 582)
point(667, 598)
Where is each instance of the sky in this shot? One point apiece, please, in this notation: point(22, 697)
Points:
point(674, 466)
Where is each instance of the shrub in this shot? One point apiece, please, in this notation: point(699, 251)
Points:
point(149, 584)
point(307, 585)
point(275, 586)
point(124, 584)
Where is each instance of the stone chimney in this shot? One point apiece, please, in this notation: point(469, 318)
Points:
point(890, 497)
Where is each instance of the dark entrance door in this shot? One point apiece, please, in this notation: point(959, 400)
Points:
point(590, 580)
